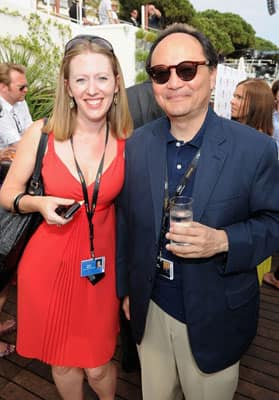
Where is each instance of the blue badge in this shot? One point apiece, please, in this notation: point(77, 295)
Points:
point(92, 266)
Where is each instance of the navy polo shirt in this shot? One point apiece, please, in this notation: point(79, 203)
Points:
point(167, 294)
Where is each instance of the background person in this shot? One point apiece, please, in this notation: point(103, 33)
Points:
point(14, 119)
point(186, 327)
point(154, 17)
point(134, 17)
point(74, 13)
point(252, 104)
point(14, 115)
point(61, 321)
point(142, 104)
point(105, 12)
point(114, 15)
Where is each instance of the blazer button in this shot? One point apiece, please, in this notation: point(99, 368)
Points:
point(150, 279)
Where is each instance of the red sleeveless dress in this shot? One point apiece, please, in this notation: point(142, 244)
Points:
point(62, 318)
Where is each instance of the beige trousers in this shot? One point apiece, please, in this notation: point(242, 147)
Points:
point(168, 368)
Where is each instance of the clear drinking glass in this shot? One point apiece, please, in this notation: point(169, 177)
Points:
point(181, 212)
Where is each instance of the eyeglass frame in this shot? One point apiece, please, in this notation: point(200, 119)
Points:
point(167, 68)
point(102, 42)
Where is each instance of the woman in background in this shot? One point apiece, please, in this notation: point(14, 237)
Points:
point(252, 104)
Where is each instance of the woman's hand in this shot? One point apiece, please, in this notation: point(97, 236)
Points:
point(47, 205)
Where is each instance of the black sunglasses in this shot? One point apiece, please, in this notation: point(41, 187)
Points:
point(88, 38)
point(186, 70)
point(22, 87)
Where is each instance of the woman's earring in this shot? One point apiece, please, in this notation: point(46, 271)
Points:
point(115, 99)
point(72, 103)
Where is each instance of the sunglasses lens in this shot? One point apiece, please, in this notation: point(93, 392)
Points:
point(160, 75)
point(186, 71)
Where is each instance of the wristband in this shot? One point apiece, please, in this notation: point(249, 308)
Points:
point(16, 203)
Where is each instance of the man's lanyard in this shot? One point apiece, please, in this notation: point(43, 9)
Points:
point(90, 210)
point(178, 192)
point(17, 121)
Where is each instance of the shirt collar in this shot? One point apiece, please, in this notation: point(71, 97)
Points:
point(197, 139)
point(6, 104)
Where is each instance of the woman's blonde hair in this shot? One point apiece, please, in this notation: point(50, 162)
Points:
point(63, 119)
point(258, 104)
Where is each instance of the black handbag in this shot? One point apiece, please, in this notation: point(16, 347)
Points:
point(4, 168)
point(16, 229)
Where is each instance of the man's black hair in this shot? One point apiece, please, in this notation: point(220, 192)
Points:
point(208, 49)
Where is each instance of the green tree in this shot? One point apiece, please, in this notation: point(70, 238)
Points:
point(241, 33)
point(263, 44)
point(176, 11)
point(219, 38)
point(41, 56)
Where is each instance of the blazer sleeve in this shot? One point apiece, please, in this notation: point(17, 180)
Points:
point(256, 238)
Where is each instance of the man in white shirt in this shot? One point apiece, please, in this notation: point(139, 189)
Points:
point(14, 113)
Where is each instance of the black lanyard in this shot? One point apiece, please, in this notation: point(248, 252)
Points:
point(91, 209)
point(178, 192)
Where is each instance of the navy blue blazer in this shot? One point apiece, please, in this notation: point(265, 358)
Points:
point(236, 189)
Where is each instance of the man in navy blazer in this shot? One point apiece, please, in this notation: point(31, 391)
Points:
point(192, 328)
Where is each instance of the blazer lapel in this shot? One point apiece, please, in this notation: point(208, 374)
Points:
point(213, 155)
point(156, 159)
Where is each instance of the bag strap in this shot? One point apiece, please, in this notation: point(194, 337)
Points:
point(34, 181)
point(39, 158)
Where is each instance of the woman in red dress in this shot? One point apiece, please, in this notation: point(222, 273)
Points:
point(67, 303)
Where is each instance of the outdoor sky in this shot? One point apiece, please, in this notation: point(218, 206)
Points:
point(253, 11)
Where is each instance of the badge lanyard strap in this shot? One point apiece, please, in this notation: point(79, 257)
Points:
point(178, 192)
point(91, 209)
